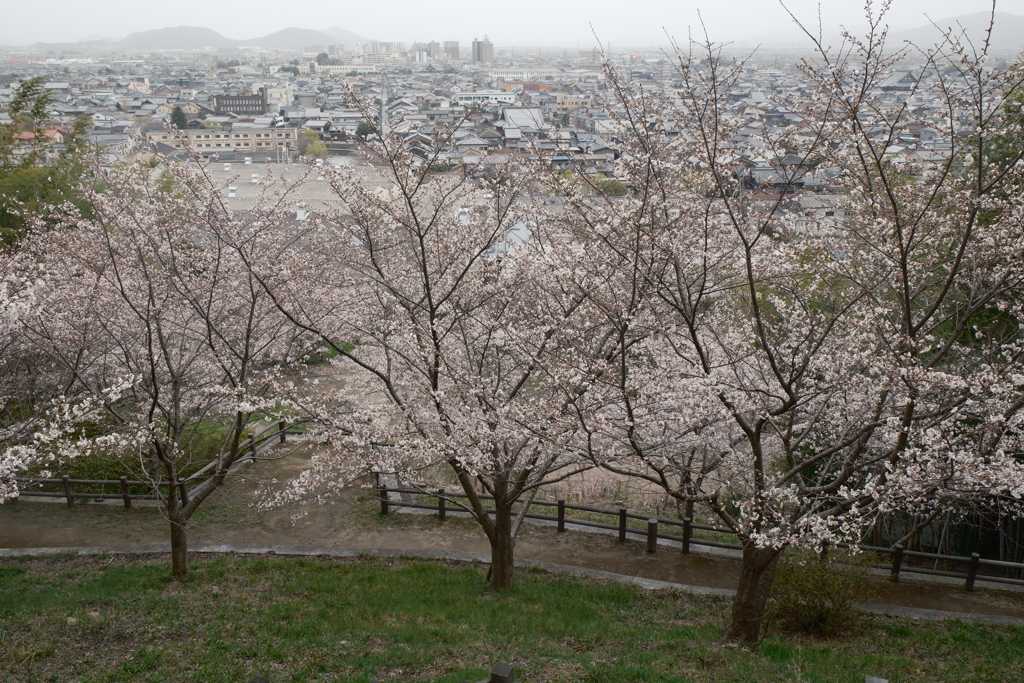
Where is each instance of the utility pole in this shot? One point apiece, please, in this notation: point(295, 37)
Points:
point(384, 122)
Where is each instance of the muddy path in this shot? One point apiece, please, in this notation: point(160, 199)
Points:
point(352, 520)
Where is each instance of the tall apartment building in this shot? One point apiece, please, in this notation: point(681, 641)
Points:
point(483, 51)
point(451, 49)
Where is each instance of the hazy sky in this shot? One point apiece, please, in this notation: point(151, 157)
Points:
point(523, 22)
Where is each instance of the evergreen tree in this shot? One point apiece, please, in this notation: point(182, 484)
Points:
point(34, 173)
point(179, 118)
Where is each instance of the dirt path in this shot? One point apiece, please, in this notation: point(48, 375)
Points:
point(352, 521)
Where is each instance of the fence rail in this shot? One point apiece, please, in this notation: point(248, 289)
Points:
point(654, 530)
point(276, 433)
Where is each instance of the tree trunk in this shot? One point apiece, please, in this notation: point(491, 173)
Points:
point(179, 548)
point(757, 572)
point(876, 532)
point(502, 543)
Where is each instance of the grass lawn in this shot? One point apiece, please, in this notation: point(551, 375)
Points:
point(122, 619)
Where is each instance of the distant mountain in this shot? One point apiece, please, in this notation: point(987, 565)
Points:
point(290, 39)
point(75, 47)
point(176, 38)
point(1007, 31)
point(346, 38)
point(197, 38)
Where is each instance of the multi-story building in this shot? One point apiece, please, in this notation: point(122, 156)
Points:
point(381, 46)
point(238, 138)
point(384, 59)
point(469, 98)
point(253, 104)
point(342, 69)
point(483, 51)
point(451, 49)
point(279, 96)
point(514, 74)
point(565, 102)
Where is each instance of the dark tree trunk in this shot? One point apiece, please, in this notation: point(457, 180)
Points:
point(876, 532)
point(757, 572)
point(179, 548)
point(502, 543)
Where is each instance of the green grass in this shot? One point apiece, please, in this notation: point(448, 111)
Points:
point(405, 620)
point(326, 353)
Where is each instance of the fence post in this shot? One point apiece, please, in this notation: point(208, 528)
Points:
point(561, 515)
point(687, 534)
point(897, 560)
point(281, 427)
point(124, 493)
point(183, 489)
point(622, 525)
point(652, 534)
point(972, 571)
point(440, 505)
point(383, 490)
point(68, 493)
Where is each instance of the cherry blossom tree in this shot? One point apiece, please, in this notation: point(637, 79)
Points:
point(799, 379)
point(169, 346)
point(442, 295)
point(24, 395)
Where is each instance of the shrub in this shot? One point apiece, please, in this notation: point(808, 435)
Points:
point(818, 594)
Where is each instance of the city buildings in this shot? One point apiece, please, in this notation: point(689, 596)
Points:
point(483, 51)
point(256, 103)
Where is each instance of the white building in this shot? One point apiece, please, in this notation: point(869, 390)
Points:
point(513, 74)
point(471, 98)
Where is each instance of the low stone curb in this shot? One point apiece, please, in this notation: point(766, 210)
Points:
point(460, 556)
point(936, 614)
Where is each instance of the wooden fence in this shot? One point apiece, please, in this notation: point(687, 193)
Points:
point(274, 434)
point(655, 529)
